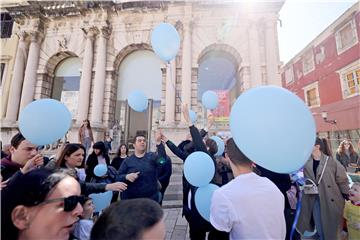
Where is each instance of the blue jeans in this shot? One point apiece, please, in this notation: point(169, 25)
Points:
point(317, 219)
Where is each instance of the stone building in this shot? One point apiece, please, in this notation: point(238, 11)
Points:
point(91, 54)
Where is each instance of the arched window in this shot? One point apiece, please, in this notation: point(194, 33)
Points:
point(67, 83)
point(140, 70)
point(217, 72)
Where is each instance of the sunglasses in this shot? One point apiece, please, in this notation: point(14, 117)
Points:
point(70, 203)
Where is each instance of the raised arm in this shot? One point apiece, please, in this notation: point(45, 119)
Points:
point(199, 145)
point(177, 151)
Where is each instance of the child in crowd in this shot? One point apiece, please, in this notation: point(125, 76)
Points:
point(83, 227)
point(352, 213)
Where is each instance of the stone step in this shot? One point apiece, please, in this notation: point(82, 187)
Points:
point(173, 194)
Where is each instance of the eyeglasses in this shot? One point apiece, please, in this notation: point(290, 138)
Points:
point(70, 203)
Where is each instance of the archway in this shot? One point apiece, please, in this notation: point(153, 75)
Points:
point(218, 72)
point(139, 70)
point(66, 84)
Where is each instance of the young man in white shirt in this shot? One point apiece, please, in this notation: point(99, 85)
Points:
point(250, 206)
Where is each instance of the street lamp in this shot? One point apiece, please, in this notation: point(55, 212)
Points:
point(324, 116)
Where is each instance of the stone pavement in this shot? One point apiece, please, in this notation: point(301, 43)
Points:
point(176, 225)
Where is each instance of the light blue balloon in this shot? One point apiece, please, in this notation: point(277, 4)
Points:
point(199, 169)
point(193, 116)
point(100, 170)
point(274, 128)
point(101, 200)
point(137, 101)
point(210, 100)
point(44, 121)
point(220, 144)
point(203, 196)
point(165, 41)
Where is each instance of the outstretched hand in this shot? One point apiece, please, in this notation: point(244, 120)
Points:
point(158, 136)
point(185, 111)
point(210, 121)
point(116, 186)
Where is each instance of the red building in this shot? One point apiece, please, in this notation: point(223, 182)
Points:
point(326, 75)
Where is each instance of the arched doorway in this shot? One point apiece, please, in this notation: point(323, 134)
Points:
point(66, 83)
point(140, 70)
point(218, 72)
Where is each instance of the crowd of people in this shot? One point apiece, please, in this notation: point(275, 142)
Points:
point(50, 199)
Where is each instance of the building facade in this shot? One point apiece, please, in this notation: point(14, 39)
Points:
point(90, 55)
point(326, 75)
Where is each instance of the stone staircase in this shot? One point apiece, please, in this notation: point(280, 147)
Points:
point(173, 194)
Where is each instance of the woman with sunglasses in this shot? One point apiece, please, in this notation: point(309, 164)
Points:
point(347, 156)
point(40, 204)
point(72, 157)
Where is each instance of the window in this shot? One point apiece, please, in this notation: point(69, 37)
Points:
point(6, 25)
point(308, 62)
point(350, 79)
point(312, 98)
point(289, 75)
point(346, 37)
point(2, 75)
point(2, 70)
point(67, 83)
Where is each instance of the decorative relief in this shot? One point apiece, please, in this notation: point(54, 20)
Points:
point(63, 43)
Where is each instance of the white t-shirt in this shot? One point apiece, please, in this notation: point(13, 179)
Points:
point(249, 207)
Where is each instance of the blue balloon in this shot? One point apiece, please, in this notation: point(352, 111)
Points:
point(44, 121)
point(220, 144)
point(274, 128)
point(199, 169)
point(137, 101)
point(210, 100)
point(193, 116)
point(100, 170)
point(203, 196)
point(101, 200)
point(165, 41)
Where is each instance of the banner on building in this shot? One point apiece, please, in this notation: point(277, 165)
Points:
point(222, 112)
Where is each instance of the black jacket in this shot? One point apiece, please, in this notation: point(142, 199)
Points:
point(91, 163)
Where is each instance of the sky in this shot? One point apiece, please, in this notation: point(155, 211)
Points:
point(304, 20)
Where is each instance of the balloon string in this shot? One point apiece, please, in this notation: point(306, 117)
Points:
point(298, 209)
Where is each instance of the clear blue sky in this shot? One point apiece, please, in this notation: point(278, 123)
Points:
point(304, 20)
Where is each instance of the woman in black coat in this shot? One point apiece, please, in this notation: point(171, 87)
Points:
point(98, 156)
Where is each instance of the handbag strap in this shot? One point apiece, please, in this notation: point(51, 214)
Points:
point(322, 173)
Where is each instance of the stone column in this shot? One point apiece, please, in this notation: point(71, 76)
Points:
point(99, 83)
point(28, 88)
point(272, 60)
point(17, 80)
point(170, 93)
point(254, 54)
point(186, 65)
point(85, 82)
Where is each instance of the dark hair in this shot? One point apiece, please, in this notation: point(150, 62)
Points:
point(29, 190)
point(101, 146)
point(139, 135)
point(119, 150)
point(127, 219)
point(211, 144)
point(17, 139)
point(326, 149)
point(88, 126)
point(236, 156)
point(69, 149)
